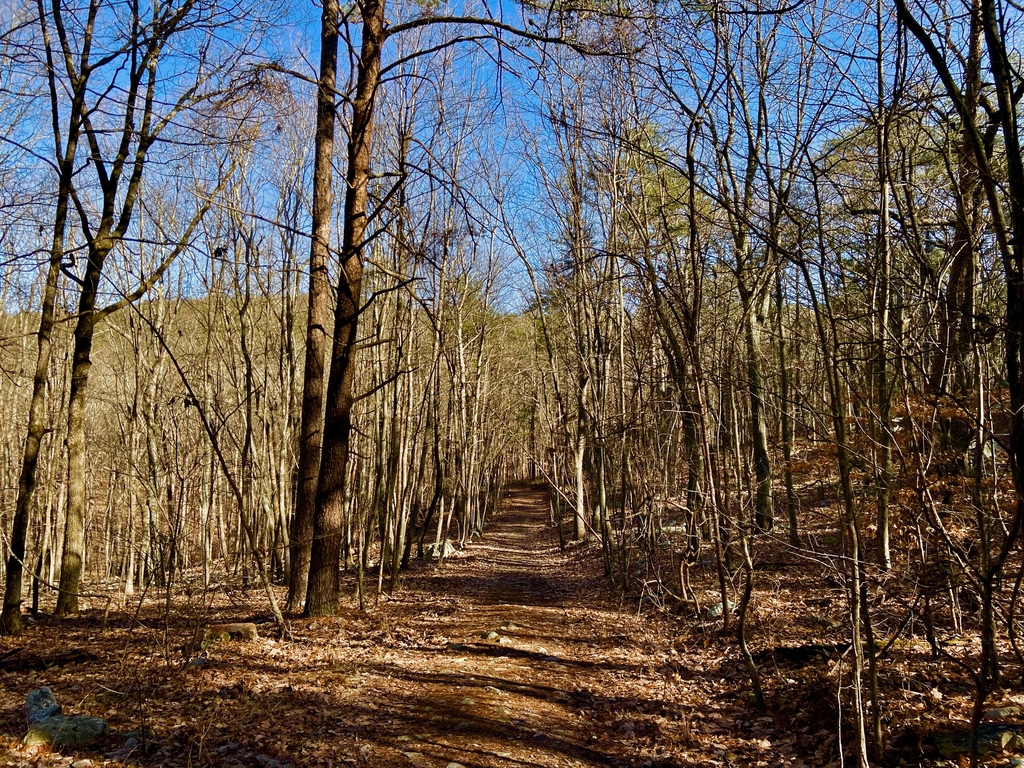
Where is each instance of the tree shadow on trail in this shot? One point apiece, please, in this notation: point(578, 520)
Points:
point(500, 591)
point(553, 693)
point(539, 659)
point(437, 718)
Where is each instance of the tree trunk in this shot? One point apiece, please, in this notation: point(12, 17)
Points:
point(951, 368)
point(786, 415)
point(74, 522)
point(10, 619)
point(753, 318)
point(328, 524)
point(883, 307)
point(311, 429)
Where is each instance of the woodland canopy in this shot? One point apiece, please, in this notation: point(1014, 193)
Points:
point(299, 301)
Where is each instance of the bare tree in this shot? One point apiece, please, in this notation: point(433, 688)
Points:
point(81, 48)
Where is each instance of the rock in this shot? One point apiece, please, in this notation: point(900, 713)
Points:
point(1002, 713)
point(490, 634)
point(715, 611)
point(492, 689)
point(267, 761)
point(992, 737)
point(50, 728)
point(455, 765)
point(85, 763)
point(243, 632)
point(445, 548)
point(64, 731)
point(504, 641)
point(467, 702)
point(41, 704)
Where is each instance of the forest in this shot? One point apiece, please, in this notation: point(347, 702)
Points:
point(541, 383)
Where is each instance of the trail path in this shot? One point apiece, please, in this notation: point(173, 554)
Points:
point(519, 655)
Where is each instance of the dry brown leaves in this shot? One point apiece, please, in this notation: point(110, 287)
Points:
point(516, 654)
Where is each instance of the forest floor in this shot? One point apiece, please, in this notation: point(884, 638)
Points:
point(513, 653)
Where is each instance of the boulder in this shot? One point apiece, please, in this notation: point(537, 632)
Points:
point(242, 632)
point(992, 737)
point(47, 726)
point(715, 611)
point(1003, 713)
point(41, 704)
point(67, 731)
point(445, 548)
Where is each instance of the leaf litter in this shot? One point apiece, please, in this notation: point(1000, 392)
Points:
point(514, 654)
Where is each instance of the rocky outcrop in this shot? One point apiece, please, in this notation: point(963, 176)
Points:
point(47, 726)
point(992, 737)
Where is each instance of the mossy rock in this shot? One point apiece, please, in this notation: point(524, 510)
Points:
point(67, 731)
point(243, 632)
point(992, 737)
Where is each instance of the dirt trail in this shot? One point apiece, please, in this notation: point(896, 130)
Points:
point(511, 654)
point(539, 665)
